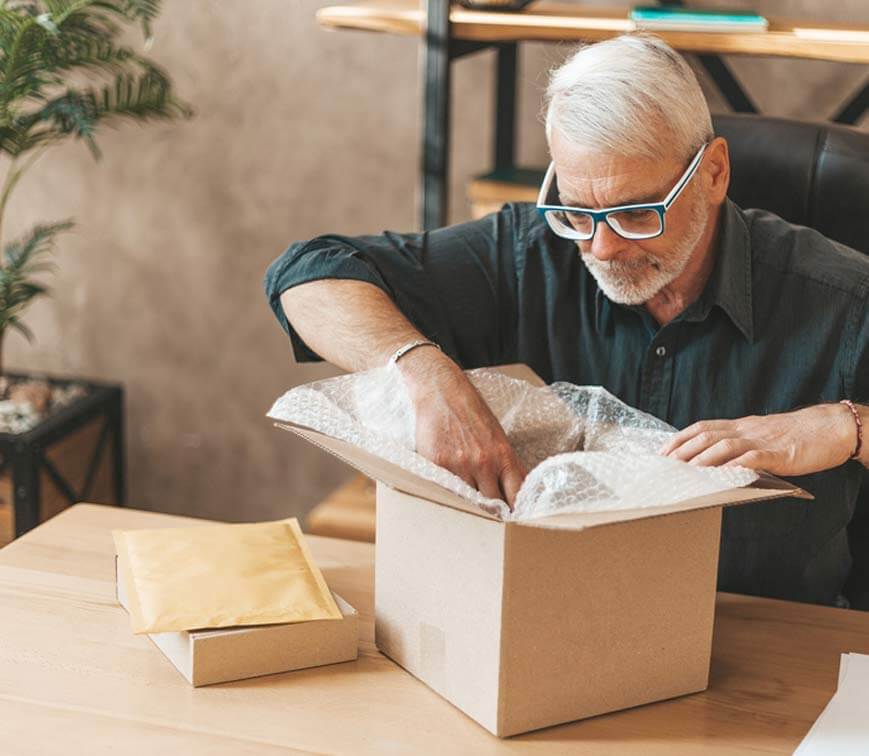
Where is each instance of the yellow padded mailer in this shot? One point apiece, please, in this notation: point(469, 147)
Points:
point(221, 576)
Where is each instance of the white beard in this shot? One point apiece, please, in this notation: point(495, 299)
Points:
point(636, 282)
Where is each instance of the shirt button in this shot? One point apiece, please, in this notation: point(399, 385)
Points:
point(661, 351)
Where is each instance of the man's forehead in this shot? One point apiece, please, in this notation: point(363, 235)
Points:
point(586, 176)
point(588, 187)
point(593, 182)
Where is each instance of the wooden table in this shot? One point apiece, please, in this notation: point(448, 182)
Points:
point(74, 679)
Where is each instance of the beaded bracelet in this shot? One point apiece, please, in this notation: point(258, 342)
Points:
point(859, 423)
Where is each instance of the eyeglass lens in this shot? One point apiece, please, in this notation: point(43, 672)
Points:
point(633, 224)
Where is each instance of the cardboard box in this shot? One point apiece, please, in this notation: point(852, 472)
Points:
point(205, 657)
point(526, 625)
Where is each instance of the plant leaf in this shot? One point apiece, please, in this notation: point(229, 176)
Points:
point(19, 326)
point(55, 56)
point(24, 258)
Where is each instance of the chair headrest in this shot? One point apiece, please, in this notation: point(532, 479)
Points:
point(812, 174)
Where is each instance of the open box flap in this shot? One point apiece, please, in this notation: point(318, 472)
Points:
point(766, 487)
point(386, 472)
point(395, 476)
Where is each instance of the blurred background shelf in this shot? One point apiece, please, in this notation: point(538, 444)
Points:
point(488, 192)
point(348, 512)
point(546, 21)
point(452, 32)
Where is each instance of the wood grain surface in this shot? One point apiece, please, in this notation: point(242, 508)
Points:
point(74, 679)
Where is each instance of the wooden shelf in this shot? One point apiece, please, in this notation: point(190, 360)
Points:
point(552, 21)
point(487, 193)
point(7, 525)
point(347, 512)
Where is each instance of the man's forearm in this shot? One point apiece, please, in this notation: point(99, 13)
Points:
point(352, 324)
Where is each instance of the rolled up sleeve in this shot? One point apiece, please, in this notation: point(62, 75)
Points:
point(457, 285)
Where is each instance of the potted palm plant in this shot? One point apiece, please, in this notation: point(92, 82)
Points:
point(64, 74)
point(66, 71)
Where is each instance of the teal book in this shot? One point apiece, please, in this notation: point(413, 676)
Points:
point(677, 18)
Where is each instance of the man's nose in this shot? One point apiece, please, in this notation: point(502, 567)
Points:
point(606, 243)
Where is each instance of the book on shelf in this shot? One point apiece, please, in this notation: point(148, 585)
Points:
point(672, 18)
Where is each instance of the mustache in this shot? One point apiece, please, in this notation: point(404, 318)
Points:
point(617, 266)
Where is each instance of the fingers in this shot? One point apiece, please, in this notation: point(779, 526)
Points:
point(712, 448)
point(457, 430)
point(691, 432)
point(721, 452)
point(709, 443)
point(463, 472)
point(511, 481)
point(755, 459)
point(487, 484)
point(694, 445)
point(503, 478)
point(716, 442)
point(497, 474)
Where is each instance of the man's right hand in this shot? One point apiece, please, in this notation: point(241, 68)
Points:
point(456, 429)
point(355, 325)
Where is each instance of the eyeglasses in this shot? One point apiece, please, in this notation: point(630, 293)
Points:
point(644, 221)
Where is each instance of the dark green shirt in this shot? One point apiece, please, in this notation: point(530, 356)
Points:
point(782, 323)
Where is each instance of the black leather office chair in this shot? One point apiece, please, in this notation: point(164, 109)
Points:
point(816, 175)
point(813, 174)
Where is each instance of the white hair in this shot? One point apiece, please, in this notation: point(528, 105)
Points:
point(631, 95)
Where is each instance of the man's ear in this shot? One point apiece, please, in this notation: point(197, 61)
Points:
point(716, 170)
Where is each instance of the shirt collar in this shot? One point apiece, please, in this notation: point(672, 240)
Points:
point(729, 286)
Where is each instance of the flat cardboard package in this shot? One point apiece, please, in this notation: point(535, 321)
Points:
point(526, 625)
point(206, 657)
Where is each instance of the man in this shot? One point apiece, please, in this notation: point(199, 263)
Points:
point(719, 320)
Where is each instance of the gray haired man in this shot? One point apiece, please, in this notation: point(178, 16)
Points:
point(638, 274)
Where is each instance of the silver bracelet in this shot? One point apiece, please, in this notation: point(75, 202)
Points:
point(403, 350)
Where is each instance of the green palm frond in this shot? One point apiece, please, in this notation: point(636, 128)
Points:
point(143, 11)
point(15, 322)
point(66, 71)
point(39, 51)
point(23, 259)
point(24, 253)
point(83, 45)
point(78, 112)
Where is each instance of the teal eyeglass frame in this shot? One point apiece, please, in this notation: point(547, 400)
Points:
point(598, 216)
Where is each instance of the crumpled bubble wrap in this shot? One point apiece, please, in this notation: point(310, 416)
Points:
point(586, 451)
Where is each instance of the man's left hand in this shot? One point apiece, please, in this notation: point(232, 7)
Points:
point(791, 443)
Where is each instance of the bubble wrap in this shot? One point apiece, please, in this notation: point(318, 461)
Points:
point(585, 449)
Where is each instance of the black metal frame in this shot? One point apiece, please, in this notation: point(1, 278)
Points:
point(24, 454)
point(853, 110)
point(439, 52)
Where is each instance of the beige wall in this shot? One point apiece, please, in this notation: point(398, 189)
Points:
point(298, 132)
